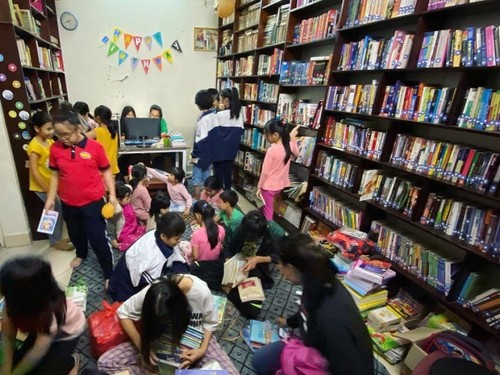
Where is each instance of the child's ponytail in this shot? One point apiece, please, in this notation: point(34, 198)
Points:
point(276, 126)
point(234, 102)
point(105, 114)
point(139, 172)
point(207, 213)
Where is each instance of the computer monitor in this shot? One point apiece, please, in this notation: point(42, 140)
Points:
point(141, 128)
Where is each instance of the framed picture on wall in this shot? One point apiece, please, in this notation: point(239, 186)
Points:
point(205, 39)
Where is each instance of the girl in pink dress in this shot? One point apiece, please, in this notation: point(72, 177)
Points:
point(130, 231)
point(206, 242)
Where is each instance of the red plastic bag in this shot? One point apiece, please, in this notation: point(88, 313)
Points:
point(105, 330)
point(299, 359)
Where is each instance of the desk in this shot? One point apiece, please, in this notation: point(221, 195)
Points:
point(179, 150)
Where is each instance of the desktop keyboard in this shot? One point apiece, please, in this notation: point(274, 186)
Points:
point(141, 142)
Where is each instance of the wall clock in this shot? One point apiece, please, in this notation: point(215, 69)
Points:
point(68, 21)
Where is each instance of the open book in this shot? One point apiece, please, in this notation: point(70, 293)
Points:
point(233, 273)
point(251, 290)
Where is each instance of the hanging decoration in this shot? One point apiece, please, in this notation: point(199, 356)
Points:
point(224, 8)
point(114, 47)
point(175, 45)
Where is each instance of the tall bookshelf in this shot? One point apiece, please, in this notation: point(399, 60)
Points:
point(438, 122)
point(31, 78)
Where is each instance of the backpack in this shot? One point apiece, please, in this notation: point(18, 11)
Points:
point(452, 344)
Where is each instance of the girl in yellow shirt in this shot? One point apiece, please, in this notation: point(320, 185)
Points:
point(106, 135)
point(38, 152)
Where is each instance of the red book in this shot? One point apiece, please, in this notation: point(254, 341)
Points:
point(465, 170)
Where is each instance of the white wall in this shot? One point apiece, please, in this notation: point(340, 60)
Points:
point(14, 225)
point(97, 79)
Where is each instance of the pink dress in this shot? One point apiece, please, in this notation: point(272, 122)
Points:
point(200, 240)
point(131, 230)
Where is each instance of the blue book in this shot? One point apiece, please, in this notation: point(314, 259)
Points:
point(263, 332)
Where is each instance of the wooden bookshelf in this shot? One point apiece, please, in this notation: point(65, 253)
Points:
point(46, 77)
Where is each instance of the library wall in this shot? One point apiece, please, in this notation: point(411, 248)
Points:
point(93, 77)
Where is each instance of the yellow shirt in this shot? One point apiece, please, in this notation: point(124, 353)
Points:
point(103, 136)
point(43, 152)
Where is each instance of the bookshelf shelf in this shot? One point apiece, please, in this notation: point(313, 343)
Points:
point(37, 14)
point(270, 47)
point(258, 102)
point(420, 70)
point(382, 24)
point(244, 170)
point(247, 4)
point(463, 10)
point(226, 26)
point(246, 28)
point(289, 227)
point(313, 43)
point(317, 215)
point(46, 99)
point(272, 7)
point(314, 6)
point(28, 34)
point(299, 86)
point(335, 187)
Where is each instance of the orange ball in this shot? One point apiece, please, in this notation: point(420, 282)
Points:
point(107, 211)
point(225, 8)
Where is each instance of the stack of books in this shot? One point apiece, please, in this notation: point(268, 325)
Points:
point(388, 344)
point(355, 98)
point(487, 306)
point(248, 40)
point(406, 306)
point(368, 301)
point(177, 139)
point(276, 26)
point(481, 109)
point(366, 276)
point(169, 355)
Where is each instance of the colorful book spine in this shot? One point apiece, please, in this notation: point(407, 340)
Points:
point(316, 28)
point(356, 98)
point(337, 171)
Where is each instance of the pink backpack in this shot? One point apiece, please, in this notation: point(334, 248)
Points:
point(299, 359)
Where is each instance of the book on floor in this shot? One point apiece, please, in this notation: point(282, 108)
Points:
point(251, 290)
point(220, 306)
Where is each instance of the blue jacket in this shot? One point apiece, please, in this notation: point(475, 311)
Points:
point(227, 136)
point(204, 141)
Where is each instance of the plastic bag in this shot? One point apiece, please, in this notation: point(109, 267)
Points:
point(105, 330)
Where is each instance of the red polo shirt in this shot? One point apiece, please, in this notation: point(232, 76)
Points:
point(79, 168)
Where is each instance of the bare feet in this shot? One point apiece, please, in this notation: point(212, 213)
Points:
point(75, 262)
point(74, 370)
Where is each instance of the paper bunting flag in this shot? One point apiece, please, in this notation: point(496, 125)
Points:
point(148, 40)
point(157, 37)
point(134, 61)
point(167, 56)
point(175, 45)
point(157, 61)
point(105, 39)
point(145, 64)
point(137, 42)
point(116, 34)
point(122, 56)
point(127, 38)
point(113, 48)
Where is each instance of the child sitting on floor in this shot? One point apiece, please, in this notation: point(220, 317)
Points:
point(126, 228)
point(206, 242)
point(159, 207)
point(180, 199)
point(154, 254)
point(211, 192)
point(140, 200)
point(229, 214)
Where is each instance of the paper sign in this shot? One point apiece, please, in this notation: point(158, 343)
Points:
point(158, 38)
point(137, 42)
point(158, 62)
point(134, 61)
point(167, 56)
point(116, 34)
point(145, 64)
point(113, 48)
point(127, 38)
point(122, 56)
point(148, 40)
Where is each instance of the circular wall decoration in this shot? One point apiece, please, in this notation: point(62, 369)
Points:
point(19, 105)
point(16, 84)
point(12, 114)
point(26, 135)
point(7, 94)
point(24, 115)
point(16, 136)
point(68, 21)
point(21, 125)
point(12, 67)
point(1, 58)
point(3, 77)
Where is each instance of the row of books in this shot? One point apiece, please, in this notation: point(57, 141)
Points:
point(438, 4)
point(354, 136)
point(433, 266)
point(316, 28)
point(306, 149)
point(314, 72)
point(481, 109)
point(295, 191)
point(227, 20)
point(225, 84)
point(361, 12)
point(258, 116)
point(337, 171)
point(255, 139)
point(270, 64)
point(268, 92)
point(249, 91)
point(337, 211)
point(24, 52)
point(370, 53)
point(248, 40)
point(244, 66)
point(249, 17)
point(24, 19)
point(458, 164)
point(466, 221)
point(169, 354)
point(355, 98)
point(276, 26)
point(226, 47)
point(422, 102)
point(302, 3)
point(368, 275)
point(392, 192)
point(453, 48)
point(487, 306)
point(476, 283)
point(250, 161)
point(299, 111)
point(225, 68)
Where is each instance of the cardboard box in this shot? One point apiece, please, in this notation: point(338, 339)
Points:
point(416, 337)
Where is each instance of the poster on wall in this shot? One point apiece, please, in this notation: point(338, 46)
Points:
point(205, 39)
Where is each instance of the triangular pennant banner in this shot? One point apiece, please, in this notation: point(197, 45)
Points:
point(137, 42)
point(127, 38)
point(134, 61)
point(157, 61)
point(148, 40)
point(167, 56)
point(116, 34)
point(113, 48)
point(175, 45)
point(145, 64)
point(157, 37)
point(105, 39)
point(122, 56)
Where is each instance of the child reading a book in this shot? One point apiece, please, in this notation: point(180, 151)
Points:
point(166, 308)
point(35, 305)
point(211, 192)
point(140, 200)
point(201, 156)
point(127, 229)
point(80, 173)
point(152, 255)
point(328, 318)
point(180, 199)
point(276, 167)
point(106, 135)
point(229, 215)
point(38, 152)
point(206, 242)
point(160, 205)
